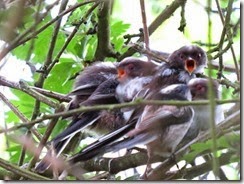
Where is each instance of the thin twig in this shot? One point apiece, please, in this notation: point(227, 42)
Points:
point(229, 10)
point(48, 132)
point(58, 96)
point(71, 36)
point(163, 16)
point(34, 91)
point(34, 27)
point(37, 95)
point(17, 41)
point(183, 18)
point(211, 97)
point(21, 172)
point(14, 109)
point(19, 114)
point(190, 173)
point(145, 28)
point(117, 106)
point(48, 61)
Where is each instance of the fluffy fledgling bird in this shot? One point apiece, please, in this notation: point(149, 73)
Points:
point(159, 127)
point(201, 122)
point(190, 57)
point(97, 86)
point(89, 79)
point(181, 67)
point(199, 90)
point(132, 78)
point(105, 93)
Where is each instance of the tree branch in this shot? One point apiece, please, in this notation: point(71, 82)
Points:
point(115, 165)
point(21, 39)
point(229, 122)
point(58, 96)
point(20, 172)
point(198, 170)
point(225, 23)
point(104, 48)
point(19, 114)
point(37, 95)
point(15, 85)
point(48, 132)
point(166, 13)
point(145, 29)
point(118, 106)
point(71, 36)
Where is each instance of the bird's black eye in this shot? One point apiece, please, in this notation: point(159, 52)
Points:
point(131, 67)
point(199, 87)
point(182, 56)
point(197, 55)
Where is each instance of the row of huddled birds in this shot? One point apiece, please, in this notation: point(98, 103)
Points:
point(161, 128)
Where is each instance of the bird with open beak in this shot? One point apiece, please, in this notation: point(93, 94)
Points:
point(190, 57)
point(184, 63)
point(182, 66)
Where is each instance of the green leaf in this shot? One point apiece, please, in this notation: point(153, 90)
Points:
point(10, 117)
point(224, 142)
point(201, 146)
point(13, 148)
point(190, 156)
point(91, 47)
point(77, 46)
point(118, 28)
point(60, 126)
point(58, 78)
point(41, 44)
point(24, 103)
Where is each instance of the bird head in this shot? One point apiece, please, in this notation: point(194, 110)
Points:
point(131, 67)
point(199, 88)
point(190, 58)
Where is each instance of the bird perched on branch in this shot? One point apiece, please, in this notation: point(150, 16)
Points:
point(181, 67)
point(201, 122)
point(132, 78)
point(89, 79)
point(97, 86)
point(159, 127)
point(135, 78)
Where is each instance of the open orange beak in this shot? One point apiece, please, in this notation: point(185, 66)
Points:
point(121, 73)
point(190, 65)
